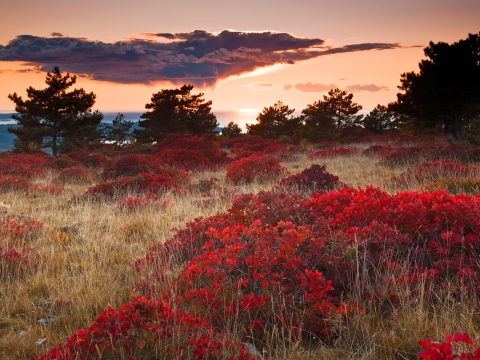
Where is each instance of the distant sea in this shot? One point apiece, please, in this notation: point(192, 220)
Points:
point(223, 118)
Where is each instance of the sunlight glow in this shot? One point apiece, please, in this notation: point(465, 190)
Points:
point(248, 111)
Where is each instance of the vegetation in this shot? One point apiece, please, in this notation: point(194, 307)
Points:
point(54, 118)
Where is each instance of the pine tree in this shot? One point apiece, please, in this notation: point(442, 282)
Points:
point(53, 116)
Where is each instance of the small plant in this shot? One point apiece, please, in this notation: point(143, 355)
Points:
point(328, 153)
point(460, 347)
point(254, 167)
point(312, 179)
point(60, 237)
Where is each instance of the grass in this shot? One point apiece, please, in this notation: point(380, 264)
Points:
point(90, 247)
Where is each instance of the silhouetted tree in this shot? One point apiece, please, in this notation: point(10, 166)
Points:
point(119, 131)
point(274, 121)
point(339, 106)
point(175, 111)
point(380, 120)
point(53, 115)
point(446, 91)
point(317, 124)
point(232, 130)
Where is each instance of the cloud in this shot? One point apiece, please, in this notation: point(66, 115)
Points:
point(57, 34)
point(370, 87)
point(198, 57)
point(309, 87)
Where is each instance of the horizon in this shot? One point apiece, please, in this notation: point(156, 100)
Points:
point(239, 58)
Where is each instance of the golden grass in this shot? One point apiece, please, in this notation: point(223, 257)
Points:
point(90, 247)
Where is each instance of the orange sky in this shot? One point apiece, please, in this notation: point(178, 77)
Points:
point(338, 23)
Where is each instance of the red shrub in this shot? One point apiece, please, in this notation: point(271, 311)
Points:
point(246, 153)
point(377, 151)
point(87, 159)
point(14, 184)
point(449, 350)
point(23, 165)
point(143, 328)
point(312, 179)
point(146, 183)
point(332, 153)
point(16, 258)
point(253, 168)
point(186, 159)
point(251, 143)
point(64, 162)
point(74, 175)
point(444, 169)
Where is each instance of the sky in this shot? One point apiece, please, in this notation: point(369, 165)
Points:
point(243, 55)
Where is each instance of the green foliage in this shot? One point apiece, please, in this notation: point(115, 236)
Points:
point(175, 111)
point(338, 106)
point(446, 91)
point(53, 116)
point(274, 121)
point(232, 130)
point(380, 120)
point(318, 124)
point(118, 132)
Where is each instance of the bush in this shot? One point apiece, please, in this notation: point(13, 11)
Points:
point(144, 183)
point(90, 160)
point(142, 329)
point(329, 153)
point(74, 174)
point(16, 258)
point(312, 179)
point(14, 183)
point(449, 349)
point(252, 168)
point(23, 165)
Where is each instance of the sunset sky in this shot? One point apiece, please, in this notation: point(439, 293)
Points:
point(243, 55)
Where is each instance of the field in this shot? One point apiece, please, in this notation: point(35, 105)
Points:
point(360, 259)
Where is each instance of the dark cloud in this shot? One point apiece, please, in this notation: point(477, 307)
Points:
point(370, 87)
point(57, 34)
point(309, 87)
point(198, 57)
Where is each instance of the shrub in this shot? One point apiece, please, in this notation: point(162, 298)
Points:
point(23, 165)
point(186, 159)
point(332, 153)
point(14, 184)
point(377, 151)
point(444, 169)
point(312, 179)
point(143, 328)
point(146, 183)
point(16, 258)
point(87, 159)
point(64, 162)
point(449, 349)
point(252, 168)
point(74, 174)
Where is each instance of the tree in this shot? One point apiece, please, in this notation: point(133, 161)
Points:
point(446, 91)
point(119, 131)
point(380, 120)
point(53, 116)
point(274, 121)
point(317, 123)
point(175, 111)
point(232, 130)
point(340, 107)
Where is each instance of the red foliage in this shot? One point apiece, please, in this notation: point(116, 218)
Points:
point(22, 165)
point(378, 151)
point(143, 328)
point(332, 153)
point(449, 350)
point(74, 174)
point(16, 258)
point(251, 143)
point(14, 184)
point(87, 159)
point(253, 168)
point(63, 162)
point(312, 179)
point(146, 183)
point(190, 152)
point(444, 169)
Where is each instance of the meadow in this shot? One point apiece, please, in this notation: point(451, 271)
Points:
point(361, 248)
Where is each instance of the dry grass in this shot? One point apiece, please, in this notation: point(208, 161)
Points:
point(91, 267)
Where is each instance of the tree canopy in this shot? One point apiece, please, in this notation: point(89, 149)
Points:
point(446, 90)
point(175, 111)
point(231, 130)
point(339, 106)
point(380, 120)
point(53, 117)
point(119, 131)
point(274, 121)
